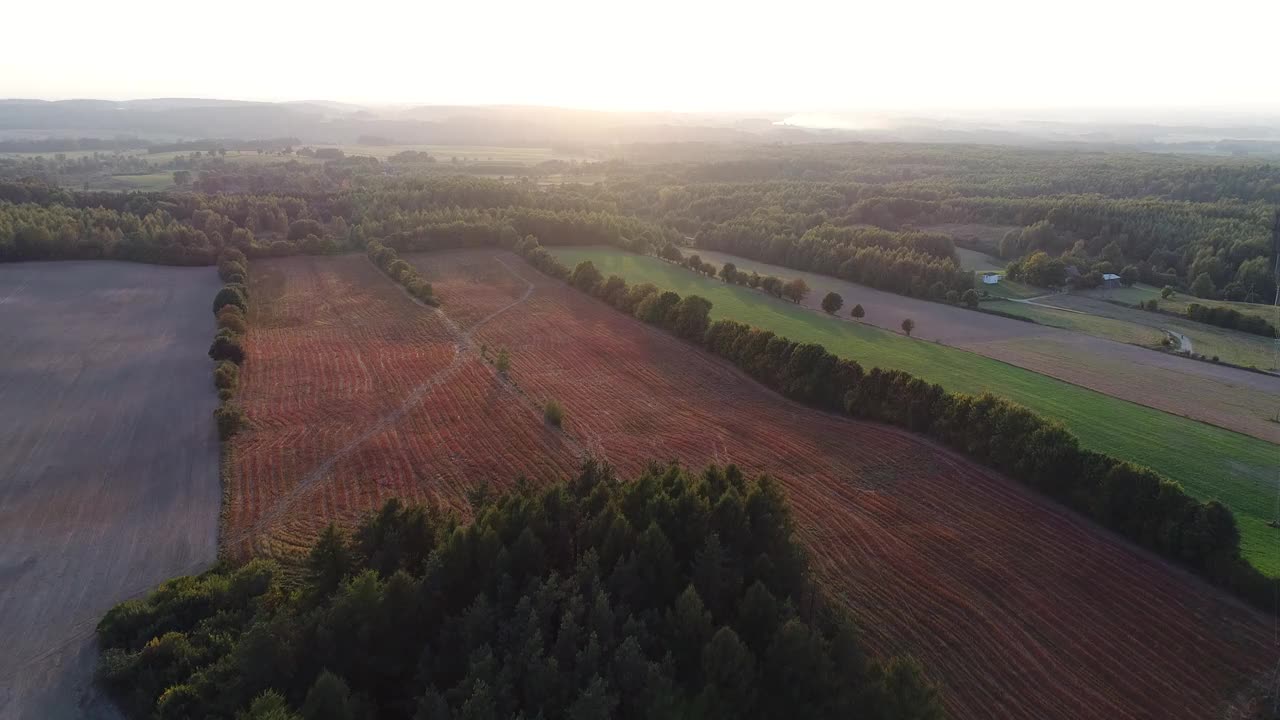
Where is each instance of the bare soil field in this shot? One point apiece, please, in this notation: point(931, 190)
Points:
point(1228, 397)
point(108, 461)
point(1019, 609)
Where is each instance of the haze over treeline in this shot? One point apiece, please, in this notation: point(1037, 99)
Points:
point(25, 124)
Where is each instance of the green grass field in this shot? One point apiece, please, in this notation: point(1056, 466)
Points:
point(1114, 321)
point(1103, 327)
point(978, 261)
point(1007, 288)
point(1209, 462)
point(149, 181)
point(1179, 302)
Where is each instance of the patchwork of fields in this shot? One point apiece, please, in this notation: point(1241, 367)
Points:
point(1230, 346)
point(1019, 609)
point(1211, 462)
point(108, 461)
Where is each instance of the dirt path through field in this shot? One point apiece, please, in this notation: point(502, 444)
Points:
point(313, 433)
point(462, 344)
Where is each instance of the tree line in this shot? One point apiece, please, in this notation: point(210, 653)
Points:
point(1136, 502)
point(401, 272)
point(1230, 318)
point(230, 306)
point(672, 595)
point(914, 264)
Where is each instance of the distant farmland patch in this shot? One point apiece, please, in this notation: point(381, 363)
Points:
point(108, 461)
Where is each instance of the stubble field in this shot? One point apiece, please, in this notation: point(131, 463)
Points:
point(1019, 609)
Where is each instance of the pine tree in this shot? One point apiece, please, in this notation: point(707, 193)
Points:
point(328, 699)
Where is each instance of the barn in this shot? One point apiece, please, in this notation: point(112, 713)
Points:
point(1110, 281)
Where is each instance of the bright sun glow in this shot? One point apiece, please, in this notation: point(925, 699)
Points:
point(659, 55)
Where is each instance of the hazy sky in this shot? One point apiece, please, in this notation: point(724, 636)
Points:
point(656, 54)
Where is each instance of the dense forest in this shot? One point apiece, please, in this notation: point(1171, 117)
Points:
point(859, 211)
point(1166, 242)
point(671, 595)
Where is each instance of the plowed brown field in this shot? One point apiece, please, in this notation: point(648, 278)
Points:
point(1017, 608)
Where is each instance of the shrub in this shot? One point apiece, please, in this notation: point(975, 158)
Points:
point(228, 269)
point(226, 346)
point(503, 363)
point(1203, 287)
point(832, 303)
point(553, 413)
point(1230, 318)
point(795, 290)
point(690, 317)
point(231, 318)
point(230, 295)
point(226, 374)
point(230, 419)
point(586, 277)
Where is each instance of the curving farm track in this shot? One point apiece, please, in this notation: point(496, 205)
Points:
point(1017, 608)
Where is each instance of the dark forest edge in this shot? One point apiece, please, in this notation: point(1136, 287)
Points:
point(1135, 502)
point(672, 595)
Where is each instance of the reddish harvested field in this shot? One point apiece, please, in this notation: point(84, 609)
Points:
point(1017, 608)
point(356, 394)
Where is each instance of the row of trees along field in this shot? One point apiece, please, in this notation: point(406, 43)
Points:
point(230, 306)
point(1136, 502)
point(402, 272)
point(673, 595)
